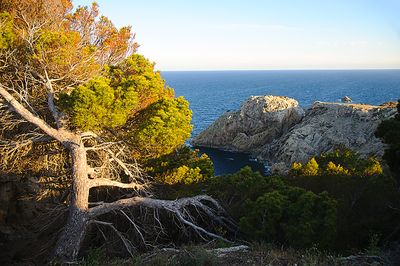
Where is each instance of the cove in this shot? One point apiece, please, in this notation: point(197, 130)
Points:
point(226, 162)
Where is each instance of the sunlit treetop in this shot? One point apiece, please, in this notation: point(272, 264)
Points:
point(110, 99)
point(91, 69)
point(70, 47)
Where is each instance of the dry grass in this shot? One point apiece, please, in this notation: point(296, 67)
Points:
point(259, 254)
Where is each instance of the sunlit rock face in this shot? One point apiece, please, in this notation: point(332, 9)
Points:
point(326, 126)
point(276, 130)
point(260, 120)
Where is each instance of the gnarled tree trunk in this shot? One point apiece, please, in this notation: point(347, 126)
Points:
point(69, 242)
point(80, 215)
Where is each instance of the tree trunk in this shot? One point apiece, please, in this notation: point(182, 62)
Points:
point(70, 240)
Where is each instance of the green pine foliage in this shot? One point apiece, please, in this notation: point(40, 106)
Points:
point(110, 100)
point(389, 132)
point(134, 98)
point(97, 104)
point(138, 72)
point(366, 197)
point(270, 209)
point(132, 101)
point(162, 127)
point(236, 190)
point(184, 175)
point(341, 161)
point(338, 200)
point(182, 166)
point(263, 218)
point(294, 216)
point(311, 218)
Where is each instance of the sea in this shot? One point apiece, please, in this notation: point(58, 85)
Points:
point(212, 93)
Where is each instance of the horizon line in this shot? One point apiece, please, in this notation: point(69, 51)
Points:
point(281, 69)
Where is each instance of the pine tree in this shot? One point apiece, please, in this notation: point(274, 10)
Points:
point(76, 102)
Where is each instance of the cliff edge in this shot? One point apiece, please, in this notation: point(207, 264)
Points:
point(260, 120)
point(276, 130)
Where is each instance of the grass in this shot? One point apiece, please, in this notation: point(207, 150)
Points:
point(259, 254)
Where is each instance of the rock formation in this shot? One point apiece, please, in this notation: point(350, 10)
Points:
point(275, 129)
point(324, 127)
point(260, 120)
point(346, 99)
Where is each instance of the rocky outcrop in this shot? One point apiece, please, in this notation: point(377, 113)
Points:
point(276, 130)
point(346, 99)
point(326, 126)
point(260, 120)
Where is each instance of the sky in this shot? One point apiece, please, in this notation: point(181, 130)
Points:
point(262, 34)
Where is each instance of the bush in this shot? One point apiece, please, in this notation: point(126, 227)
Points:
point(294, 216)
point(270, 209)
point(262, 221)
point(389, 131)
point(184, 175)
point(366, 197)
point(182, 166)
point(341, 161)
point(234, 190)
point(311, 168)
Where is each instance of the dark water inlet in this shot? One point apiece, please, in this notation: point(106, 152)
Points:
point(226, 162)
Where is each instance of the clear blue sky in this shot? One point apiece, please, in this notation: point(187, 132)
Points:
point(262, 34)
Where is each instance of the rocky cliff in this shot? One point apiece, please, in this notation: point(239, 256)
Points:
point(324, 127)
point(260, 120)
point(276, 130)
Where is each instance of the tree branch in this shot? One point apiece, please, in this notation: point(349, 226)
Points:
point(28, 116)
point(104, 182)
point(50, 101)
point(177, 207)
point(128, 245)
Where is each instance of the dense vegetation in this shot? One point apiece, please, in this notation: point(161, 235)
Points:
point(366, 197)
point(95, 129)
point(389, 131)
point(336, 201)
point(79, 109)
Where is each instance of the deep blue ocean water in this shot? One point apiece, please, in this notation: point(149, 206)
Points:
point(212, 93)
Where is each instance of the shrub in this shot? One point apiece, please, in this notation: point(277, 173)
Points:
point(296, 167)
point(182, 166)
point(334, 169)
point(184, 175)
point(364, 194)
point(389, 132)
point(292, 215)
point(341, 161)
point(270, 209)
point(311, 168)
point(236, 189)
point(373, 168)
point(264, 215)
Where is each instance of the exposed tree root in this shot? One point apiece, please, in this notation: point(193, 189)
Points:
point(202, 204)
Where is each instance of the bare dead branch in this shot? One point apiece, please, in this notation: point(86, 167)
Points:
point(22, 111)
point(104, 182)
point(50, 101)
point(135, 226)
point(176, 207)
point(128, 245)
